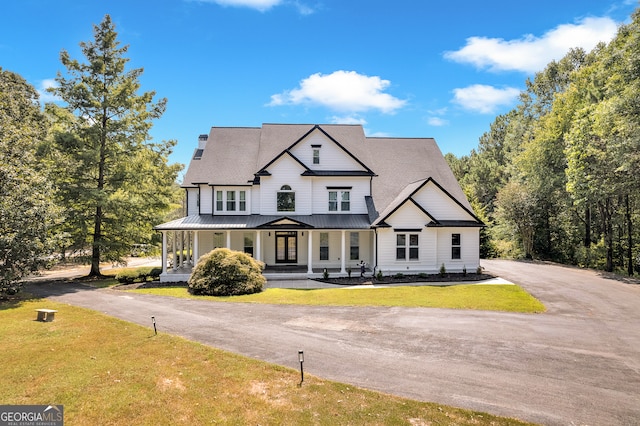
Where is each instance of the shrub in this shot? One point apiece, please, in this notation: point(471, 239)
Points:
point(399, 275)
point(142, 274)
point(423, 275)
point(379, 275)
point(479, 270)
point(325, 274)
point(224, 272)
point(464, 271)
point(443, 270)
point(349, 272)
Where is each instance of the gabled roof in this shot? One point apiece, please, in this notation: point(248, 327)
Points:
point(406, 195)
point(235, 156)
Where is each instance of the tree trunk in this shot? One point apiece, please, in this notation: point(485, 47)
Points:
point(97, 236)
point(97, 229)
point(587, 226)
point(607, 229)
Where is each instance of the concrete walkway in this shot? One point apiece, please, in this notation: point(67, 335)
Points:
point(577, 364)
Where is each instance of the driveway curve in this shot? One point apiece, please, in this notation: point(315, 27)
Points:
point(576, 364)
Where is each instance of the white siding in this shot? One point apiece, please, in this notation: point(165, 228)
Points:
point(332, 157)
point(440, 205)
point(192, 201)
point(359, 189)
point(408, 216)
point(255, 199)
point(236, 190)
point(285, 171)
point(469, 249)
point(205, 199)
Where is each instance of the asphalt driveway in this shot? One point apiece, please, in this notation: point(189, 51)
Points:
point(577, 364)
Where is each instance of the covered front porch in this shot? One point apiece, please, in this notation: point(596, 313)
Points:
point(290, 248)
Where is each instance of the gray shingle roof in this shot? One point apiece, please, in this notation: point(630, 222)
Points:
point(233, 155)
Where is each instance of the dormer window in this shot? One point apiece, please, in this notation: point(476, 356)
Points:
point(339, 199)
point(286, 199)
point(316, 153)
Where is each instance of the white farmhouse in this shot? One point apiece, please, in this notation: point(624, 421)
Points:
point(305, 198)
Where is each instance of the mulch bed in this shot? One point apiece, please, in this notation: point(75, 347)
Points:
point(408, 278)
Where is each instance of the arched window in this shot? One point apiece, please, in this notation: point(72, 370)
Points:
point(286, 199)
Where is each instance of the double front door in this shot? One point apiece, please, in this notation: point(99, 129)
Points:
point(286, 247)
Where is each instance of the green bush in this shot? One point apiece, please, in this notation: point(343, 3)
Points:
point(443, 270)
point(379, 275)
point(224, 272)
point(141, 274)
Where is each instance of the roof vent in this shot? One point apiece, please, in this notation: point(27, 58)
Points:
point(198, 154)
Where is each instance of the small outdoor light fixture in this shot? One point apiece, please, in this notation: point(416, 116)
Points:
point(301, 359)
point(155, 331)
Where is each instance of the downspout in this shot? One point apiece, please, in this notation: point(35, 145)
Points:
point(375, 253)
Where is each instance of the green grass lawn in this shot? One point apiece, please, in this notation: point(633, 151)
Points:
point(110, 372)
point(494, 297)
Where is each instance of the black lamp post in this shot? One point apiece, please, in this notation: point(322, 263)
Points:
point(155, 330)
point(301, 359)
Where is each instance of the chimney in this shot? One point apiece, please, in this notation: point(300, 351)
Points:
point(202, 141)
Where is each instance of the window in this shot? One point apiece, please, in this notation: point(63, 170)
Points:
point(455, 246)
point(286, 199)
point(333, 201)
point(324, 246)
point(401, 247)
point(248, 243)
point(410, 242)
point(243, 201)
point(354, 246)
point(219, 203)
point(345, 205)
point(231, 201)
point(345, 201)
point(198, 154)
point(316, 156)
point(413, 247)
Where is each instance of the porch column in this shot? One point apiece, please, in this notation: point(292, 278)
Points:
point(343, 256)
point(228, 239)
point(196, 255)
point(258, 246)
point(164, 252)
point(181, 249)
point(175, 250)
point(188, 261)
point(310, 253)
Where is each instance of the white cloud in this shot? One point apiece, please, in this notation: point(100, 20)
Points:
point(45, 96)
point(348, 119)
point(531, 54)
point(342, 91)
point(484, 99)
point(437, 121)
point(262, 5)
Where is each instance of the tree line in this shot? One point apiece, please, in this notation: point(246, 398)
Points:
point(558, 176)
point(83, 177)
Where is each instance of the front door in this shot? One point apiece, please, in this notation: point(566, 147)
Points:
point(286, 247)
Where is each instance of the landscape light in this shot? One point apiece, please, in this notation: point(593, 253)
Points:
point(301, 359)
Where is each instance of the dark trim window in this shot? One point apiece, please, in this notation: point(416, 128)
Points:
point(231, 201)
point(455, 246)
point(324, 246)
point(248, 243)
point(316, 155)
point(219, 202)
point(243, 201)
point(410, 243)
point(286, 199)
point(354, 246)
point(345, 201)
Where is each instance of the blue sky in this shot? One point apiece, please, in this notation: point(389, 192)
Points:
point(405, 68)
